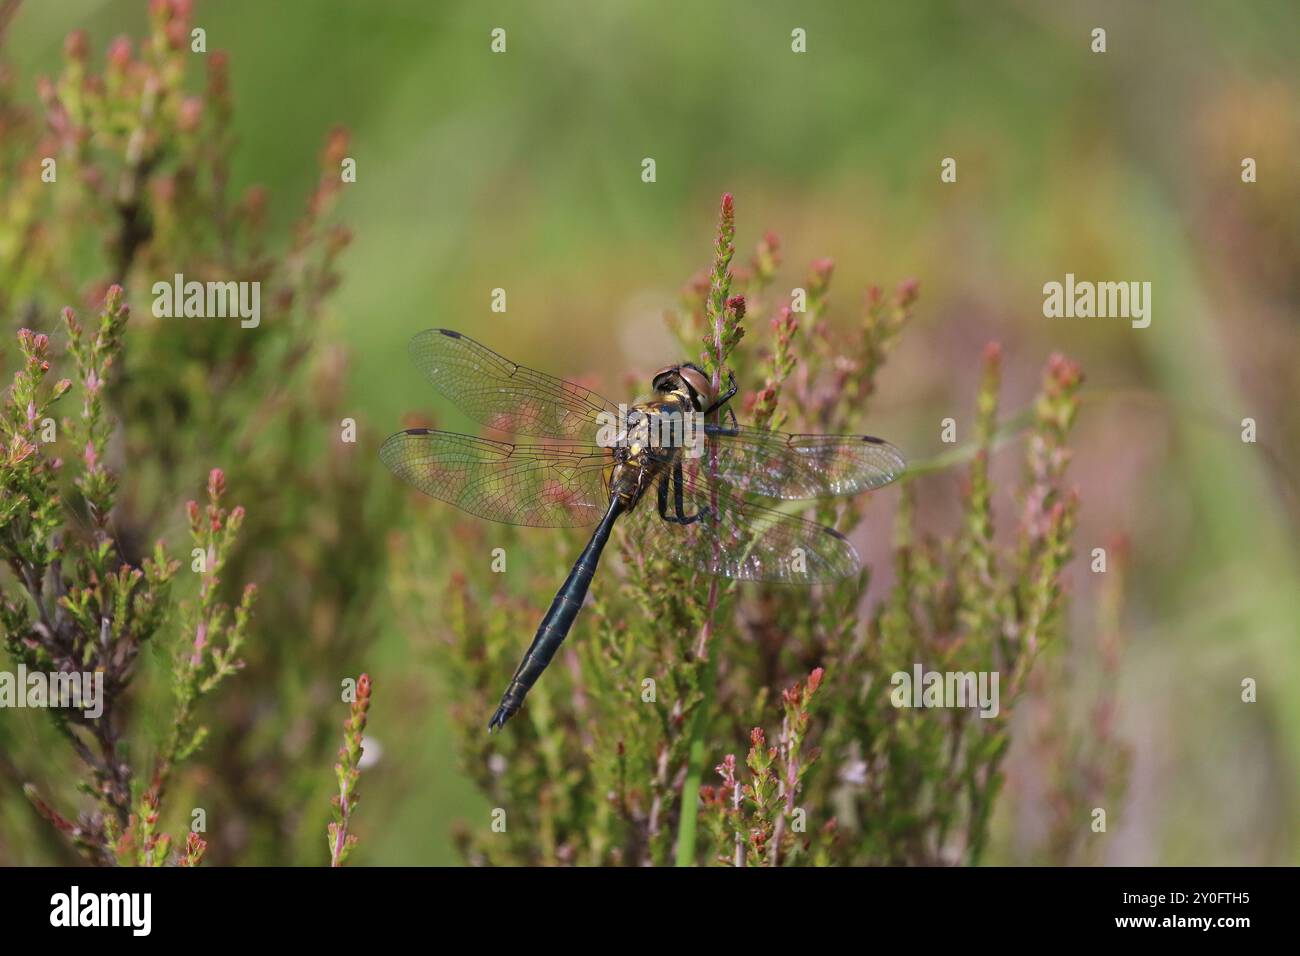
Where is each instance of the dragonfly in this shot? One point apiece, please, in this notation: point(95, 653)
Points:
point(678, 468)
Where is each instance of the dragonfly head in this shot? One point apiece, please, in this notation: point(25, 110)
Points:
point(689, 379)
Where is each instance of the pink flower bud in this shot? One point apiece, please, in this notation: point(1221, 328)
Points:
point(218, 77)
point(119, 54)
point(336, 147)
point(22, 450)
point(191, 112)
point(76, 47)
point(200, 642)
point(907, 291)
point(815, 679)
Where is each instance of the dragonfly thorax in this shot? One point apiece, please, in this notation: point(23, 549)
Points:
point(663, 426)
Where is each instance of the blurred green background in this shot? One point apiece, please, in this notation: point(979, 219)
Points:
point(522, 171)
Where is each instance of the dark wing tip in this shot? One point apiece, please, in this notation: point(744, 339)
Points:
point(845, 566)
point(893, 450)
point(425, 335)
point(873, 440)
point(902, 460)
point(396, 438)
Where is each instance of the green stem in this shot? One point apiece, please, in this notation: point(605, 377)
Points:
point(695, 770)
point(695, 752)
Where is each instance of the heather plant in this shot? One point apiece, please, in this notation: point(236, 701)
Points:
point(691, 720)
point(348, 773)
point(119, 173)
point(72, 605)
point(686, 719)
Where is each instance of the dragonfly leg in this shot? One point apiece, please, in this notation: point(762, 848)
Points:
point(734, 428)
point(663, 500)
point(680, 517)
point(725, 396)
point(679, 502)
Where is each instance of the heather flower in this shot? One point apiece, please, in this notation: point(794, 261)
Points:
point(348, 773)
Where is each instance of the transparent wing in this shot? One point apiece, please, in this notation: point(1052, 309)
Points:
point(743, 540)
point(781, 465)
point(551, 486)
point(510, 398)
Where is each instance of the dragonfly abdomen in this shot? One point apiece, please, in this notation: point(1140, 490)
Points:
point(559, 619)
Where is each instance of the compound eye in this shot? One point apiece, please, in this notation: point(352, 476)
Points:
point(665, 379)
point(699, 384)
